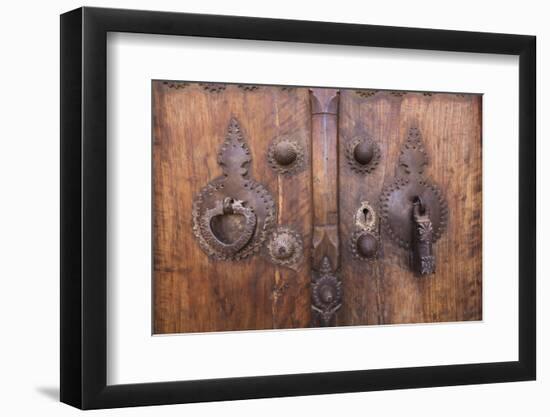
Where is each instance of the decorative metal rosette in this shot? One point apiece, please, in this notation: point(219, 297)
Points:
point(326, 293)
point(286, 156)
point(362, 154)
point(365, 245)
point(285, 247)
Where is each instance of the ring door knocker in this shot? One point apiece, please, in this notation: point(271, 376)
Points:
point(233, 214)
point(414, 211)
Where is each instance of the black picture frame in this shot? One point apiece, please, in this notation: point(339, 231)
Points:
point(84, 207)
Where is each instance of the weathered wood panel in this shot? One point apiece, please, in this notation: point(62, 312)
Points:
point(193, 293)
point(387, 291)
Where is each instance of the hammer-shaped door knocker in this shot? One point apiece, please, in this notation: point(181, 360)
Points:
point(423, 259)
point(233, 214)
point(414, 211)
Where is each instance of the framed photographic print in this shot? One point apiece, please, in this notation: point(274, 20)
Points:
point(258, 207)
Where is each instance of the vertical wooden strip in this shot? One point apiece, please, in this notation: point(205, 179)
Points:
point(324, 165)
point(290, 293)
point(326, 287)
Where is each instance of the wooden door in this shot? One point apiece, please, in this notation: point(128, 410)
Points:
point(194, 292)
point(258, 197)
point(388, 291)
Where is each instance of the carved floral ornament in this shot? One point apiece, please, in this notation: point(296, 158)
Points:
point(362, 154)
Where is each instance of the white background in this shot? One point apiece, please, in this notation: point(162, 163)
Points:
point(134, 356)
point(29, 212)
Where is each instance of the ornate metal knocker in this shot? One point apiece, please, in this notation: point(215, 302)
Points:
point(423, 259)
point(216, 240)
point(233, 214)
point(414, 211)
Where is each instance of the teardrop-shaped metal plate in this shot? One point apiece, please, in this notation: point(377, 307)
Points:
point(397, 198)
point(252, 197)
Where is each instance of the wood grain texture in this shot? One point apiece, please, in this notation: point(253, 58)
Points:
point(324, 168)
point(386, 291)
point(193, 293)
